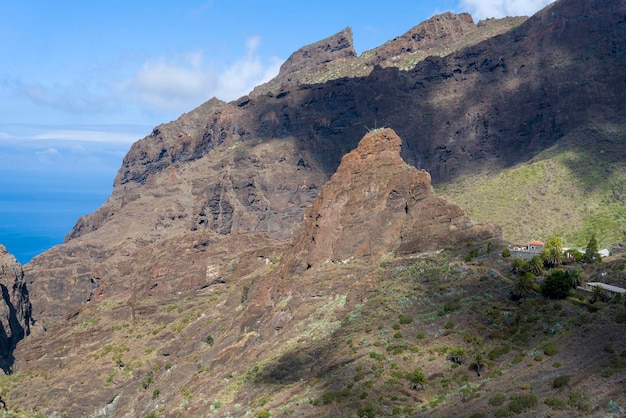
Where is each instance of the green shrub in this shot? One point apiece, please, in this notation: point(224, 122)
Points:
point(420, 336)
point(397, 335)
point(502, 413)
point(557, 285)
point(405, 319)
point(579, 400)
point(398, 350)
point(368, 411)
point(498, 351)
point(506, 253)
point(451, 306)
point(263, 414)
point(417, 378)
point(521, 402)
point(449, 325)
point(244, 294)
point(555, 403)
point(328, 397)
point(497, 399)
point(560, 381)
point(550, 349)
point(209, 340)
point(456, 355)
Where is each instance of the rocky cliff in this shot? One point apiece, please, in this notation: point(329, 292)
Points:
point(376, 204)
point(204, 283)
point(253, 165)
point(15, 308)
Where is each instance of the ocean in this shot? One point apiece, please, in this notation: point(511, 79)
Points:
point(37, 212)
point(51, 176)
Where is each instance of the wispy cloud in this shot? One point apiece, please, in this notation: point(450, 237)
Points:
point(74, 97)
point(187, 80)
point(78, 136)
point(87, 136)
point(64, 150)
point(170, 84)
point(481, 9)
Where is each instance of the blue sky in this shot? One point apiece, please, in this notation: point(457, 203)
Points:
point(81, 81)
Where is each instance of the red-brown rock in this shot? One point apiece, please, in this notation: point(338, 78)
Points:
point(375, 204)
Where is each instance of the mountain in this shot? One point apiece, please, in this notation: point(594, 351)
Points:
point(15, 308)
point(255, 164)
point(286, 252)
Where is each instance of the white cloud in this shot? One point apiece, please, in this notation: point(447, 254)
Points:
point(156, 87)
point(77, 136)
point(183, 82)
point(481, 9)
point(48, 155)
point(87, 136)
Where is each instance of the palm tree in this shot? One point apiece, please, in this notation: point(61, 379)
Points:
point(535, 265)
point(457, 355)
point(477, 362)
point(598, 294)
point(554, 243)
point(524, 286)
point(417, 378)
point(552, 257)
point(577, 277)
point(518, 265)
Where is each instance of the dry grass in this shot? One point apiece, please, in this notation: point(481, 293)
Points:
point(573, 190)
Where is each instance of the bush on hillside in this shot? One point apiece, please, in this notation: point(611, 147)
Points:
point(557, 285)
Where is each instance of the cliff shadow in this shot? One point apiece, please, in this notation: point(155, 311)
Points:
point(16, 333)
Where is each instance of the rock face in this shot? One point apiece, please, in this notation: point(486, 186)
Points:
point(15, 308)
point(190, 243)
point(312, 57)
point(376, 204)
point(252, 166)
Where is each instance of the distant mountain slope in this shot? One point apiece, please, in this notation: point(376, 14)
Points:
point(574, 189)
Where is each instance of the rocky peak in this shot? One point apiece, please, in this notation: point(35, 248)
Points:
point(438, 31)
point(312, 59)
point(15, 308)
point(375, 204)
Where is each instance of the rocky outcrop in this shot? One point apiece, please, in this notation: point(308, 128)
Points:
point(311, 57)
point(377, 204)
point(15, 308)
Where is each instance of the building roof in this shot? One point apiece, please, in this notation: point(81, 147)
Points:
point(608, 287)
point(535, 243)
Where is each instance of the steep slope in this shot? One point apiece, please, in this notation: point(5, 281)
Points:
point(376, 204)
point(371, 335)
point(253, 165)
point(255, 313)
point(574, 189)
point(15, 308)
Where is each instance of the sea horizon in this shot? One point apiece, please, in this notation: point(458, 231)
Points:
point(36, 216)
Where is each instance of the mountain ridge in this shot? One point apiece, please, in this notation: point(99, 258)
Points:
point(186, 283)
